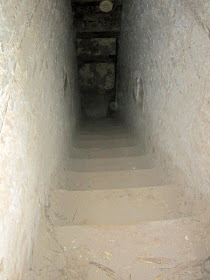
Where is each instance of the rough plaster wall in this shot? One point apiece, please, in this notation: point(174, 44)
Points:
point(36, 106)
point(164, 57)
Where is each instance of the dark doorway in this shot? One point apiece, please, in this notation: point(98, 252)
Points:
point(97, 32)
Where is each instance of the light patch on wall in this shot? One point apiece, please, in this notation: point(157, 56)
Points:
point(138, 91)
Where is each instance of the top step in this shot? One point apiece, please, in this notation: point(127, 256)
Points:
point(101, 127)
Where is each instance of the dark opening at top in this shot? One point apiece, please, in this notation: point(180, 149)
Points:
point(97, 27)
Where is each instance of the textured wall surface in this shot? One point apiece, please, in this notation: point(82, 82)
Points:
point(164, 90)
point(36, 105)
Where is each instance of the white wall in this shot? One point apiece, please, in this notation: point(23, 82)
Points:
point(166, 44)
point(36, 118)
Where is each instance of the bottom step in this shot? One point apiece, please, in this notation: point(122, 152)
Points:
point(174, 249)
point(117, 206)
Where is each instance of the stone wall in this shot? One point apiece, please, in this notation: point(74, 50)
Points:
point(37, 113)
point(164, 83)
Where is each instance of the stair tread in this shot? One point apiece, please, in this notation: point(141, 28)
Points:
point(103, 136)
point(116, 206)
point(101, 125)
point(103, 153)
point(110, 164)
point(119, 179)
point(142, 251)
point(104, 132)
point(102, 128)
point(105, 144)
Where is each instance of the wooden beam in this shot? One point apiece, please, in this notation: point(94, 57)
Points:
point(92, 35)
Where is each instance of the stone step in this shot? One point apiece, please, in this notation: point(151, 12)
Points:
point(101, 124)
point(116, 206)
point(110, 164)
point(80, 181)
point(110, 131)
point(107, 153)
point(102, 136)
point(147, 251)
point(105, 144)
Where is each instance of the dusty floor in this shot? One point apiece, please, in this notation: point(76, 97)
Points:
point(115, 216)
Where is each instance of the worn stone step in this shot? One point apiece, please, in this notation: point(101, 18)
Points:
point(71, 180)
point(116, 206)
point(99, 131)
point(110, 164)
point(147, 251)
point(102, 136)
point(102, 123)
point(107, 153)
point(105, 144)
point(102, 126)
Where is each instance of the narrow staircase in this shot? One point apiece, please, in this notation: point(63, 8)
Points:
point(115, 214)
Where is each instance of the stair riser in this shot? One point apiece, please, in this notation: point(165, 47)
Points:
point(105, 136)
point(105, 144)
point(123, 206)
point(104, 131)
point(112, 164)
point(111, 180)
point(108, 153)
